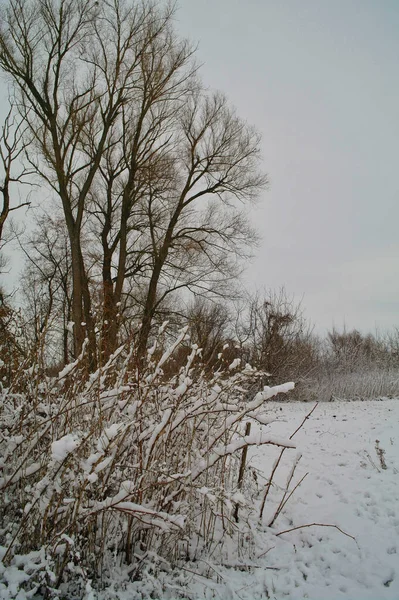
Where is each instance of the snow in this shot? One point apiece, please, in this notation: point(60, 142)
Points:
point(183, 387)
point(112, 431)
point(67, 370)
point(29, 470)
point(64, 446)
point(236, 363)
point(162, 519)
point(71, 366)
point(345, 486)
point(347, 454)
point(168, 353)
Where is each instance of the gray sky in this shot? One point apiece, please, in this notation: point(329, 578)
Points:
point(320, 80)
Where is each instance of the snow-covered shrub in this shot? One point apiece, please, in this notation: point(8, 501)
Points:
point(125, 466)
point(353, 366)
point(365, 384)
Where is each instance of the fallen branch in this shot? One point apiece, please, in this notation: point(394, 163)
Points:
point(316, 525)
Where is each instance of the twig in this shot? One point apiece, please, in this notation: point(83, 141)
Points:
point(268, 485)
point(264, 553)
point(367, 455)
point(285, 500)
point(242, 469)
point(316, 525)
point(20, 206)
point(380, 454)
point(244, 567)
point(305, 419)
point(290, 477)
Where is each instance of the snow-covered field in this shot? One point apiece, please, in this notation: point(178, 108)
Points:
point(350, 465)
point(346, 486)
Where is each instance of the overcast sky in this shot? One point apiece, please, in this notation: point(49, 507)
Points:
point(320, 80)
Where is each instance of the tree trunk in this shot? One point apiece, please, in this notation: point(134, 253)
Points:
point(159, 261)
point(81, 305)
point(77, 308)
point(109, 326)
point(113, 294)
point(149, 309)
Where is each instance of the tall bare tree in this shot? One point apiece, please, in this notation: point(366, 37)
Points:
point(199, 222)
point(50, 50)
point(149, 168)
point(12, 146)
point(74, 64)
point(47, 287)
point(137, 163)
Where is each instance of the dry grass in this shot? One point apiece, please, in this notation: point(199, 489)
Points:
point(363, 384)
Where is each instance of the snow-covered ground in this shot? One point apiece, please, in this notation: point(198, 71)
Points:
point(351, 482)
point(346, 486)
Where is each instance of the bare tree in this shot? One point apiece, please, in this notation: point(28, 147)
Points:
point(47, 288)
point(277, 337)
point(149, 168)
point(392, 344)
point(349, 351)
point(216, 166)
point(137, 164)
point(74, 64)
point(12, 147)
point(50, 50)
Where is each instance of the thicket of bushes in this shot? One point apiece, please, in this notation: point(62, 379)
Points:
point(272, 334)
point(136, 467)
point(125, 469)
point(268, 332)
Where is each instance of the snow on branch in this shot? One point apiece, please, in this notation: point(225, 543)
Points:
point(119, 457)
